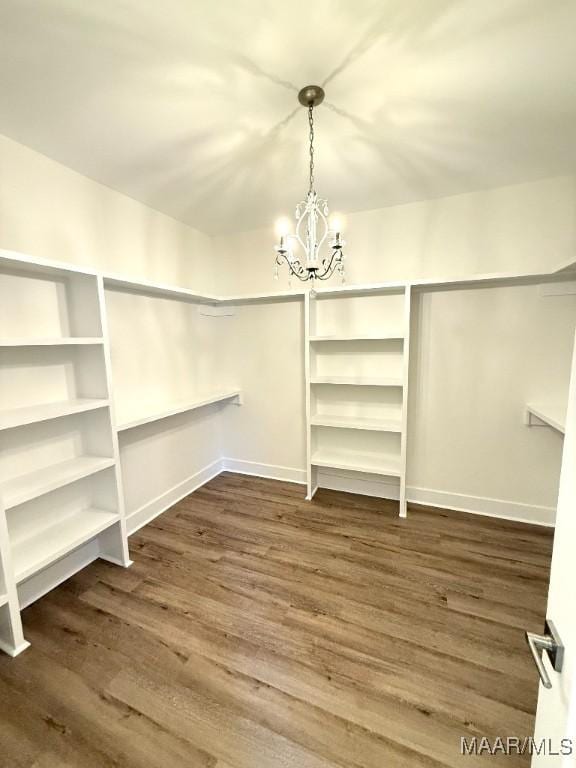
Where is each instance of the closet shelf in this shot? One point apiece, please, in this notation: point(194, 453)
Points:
point(18, 417)
point(47, 545)
point(33, 484)
point(358, 381)
point(177, 408)
point(358, 462)
point(358, 422)
point(52, 342)
point(361, 337)
point(156, 290)
point(549, 414)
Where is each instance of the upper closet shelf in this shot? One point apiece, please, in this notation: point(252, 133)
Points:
point(157, 290)
point(174, 410)
point(547, 414)
point(12, 259)
point(52, 342)
point(18, 417)
point(358, 381)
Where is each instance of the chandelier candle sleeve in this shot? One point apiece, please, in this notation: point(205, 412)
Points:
point(312, 228)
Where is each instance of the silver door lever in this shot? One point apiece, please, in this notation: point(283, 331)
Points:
point(550, 643)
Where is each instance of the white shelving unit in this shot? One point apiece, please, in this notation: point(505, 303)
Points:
point(61, 495)
point(59, 470)
point(356, 365)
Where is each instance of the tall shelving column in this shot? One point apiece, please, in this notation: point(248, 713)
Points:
point(356, 368)
point(60, 497)
point(405, 383)
point(12, 639)
point(114, 547)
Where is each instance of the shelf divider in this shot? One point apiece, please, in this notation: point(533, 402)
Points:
point(64, 341)
point(374, 465)
point(358, 422)
point(359, 381)
point(47, 545)
point(31, 485)
point(395, 336)
point(32, 414)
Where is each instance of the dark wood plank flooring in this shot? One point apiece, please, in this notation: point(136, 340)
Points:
point(256, 630)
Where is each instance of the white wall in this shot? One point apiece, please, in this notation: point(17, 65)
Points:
point(517, 228)
point(164, 352)
point(478, 356)
point(52, 212)
point(263, 348)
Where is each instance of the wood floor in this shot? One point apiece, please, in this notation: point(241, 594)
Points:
point(256, 630)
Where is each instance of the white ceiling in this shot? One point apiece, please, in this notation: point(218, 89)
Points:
point(190, 105)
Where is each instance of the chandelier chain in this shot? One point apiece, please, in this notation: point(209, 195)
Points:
point(311, 123)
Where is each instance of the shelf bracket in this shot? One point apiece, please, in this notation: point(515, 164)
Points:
point(533, 421)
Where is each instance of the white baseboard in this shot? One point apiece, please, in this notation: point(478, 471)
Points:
point(338, 480)
point(481, 505)
point(373, 485)
point(270, 471)
point(152, 509)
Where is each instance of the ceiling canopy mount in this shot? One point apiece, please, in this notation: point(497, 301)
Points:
point(311, 96)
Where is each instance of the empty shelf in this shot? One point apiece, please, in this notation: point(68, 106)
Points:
point(177, 408)
point(48, 545)
point(29, 486)
point(361, 337)
point(52, 342)
point(358, 422)
point(357, 462)
point(551, 414)
point(17, 417)
point(358, 381)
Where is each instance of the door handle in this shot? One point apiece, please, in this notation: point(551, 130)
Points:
point(549, 643)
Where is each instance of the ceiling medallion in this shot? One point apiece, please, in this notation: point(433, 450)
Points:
point(313, 228)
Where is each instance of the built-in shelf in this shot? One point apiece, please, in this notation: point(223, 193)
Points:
point(52, 342)
point(157, 290)
point(177, 408)
point(357, 462)
point(33, 484)
point(18, 417)
point(358, 381)
point(549, 414)
point(361, 337)
point(47, 545)
point(358, 422)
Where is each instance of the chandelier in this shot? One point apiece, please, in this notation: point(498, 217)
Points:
point(312, 226)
